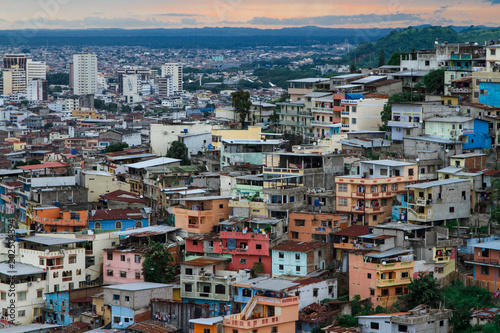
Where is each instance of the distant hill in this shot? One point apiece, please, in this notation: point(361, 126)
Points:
point(367, 53)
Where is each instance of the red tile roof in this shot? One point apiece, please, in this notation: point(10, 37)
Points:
point(118, 214)
point(354, 231)
point(47, 165)
point(491, 172)
point(121, 195)
point(298, 246)
point(14, 184)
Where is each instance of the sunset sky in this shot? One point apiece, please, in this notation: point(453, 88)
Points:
point(51, 14)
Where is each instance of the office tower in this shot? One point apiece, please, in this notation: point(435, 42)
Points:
point(35, 70)
point(144, 74)
point(84, 73)
point(132, 88)
point(14, 74)
point(165, 87)
point(175, 70)
point(14, 61)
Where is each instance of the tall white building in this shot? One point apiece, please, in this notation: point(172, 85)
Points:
point(85, 73)
point(173, 69)
point(36, 90)
point(166, 87)
point(131, 88)
point(35, 70)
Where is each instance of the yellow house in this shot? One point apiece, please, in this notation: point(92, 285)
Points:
point(85, 113)
point(101, 309)
point(17, 144)
point(251, 133)
point(449, 100)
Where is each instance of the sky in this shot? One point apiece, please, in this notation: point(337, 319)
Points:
point(134, 14)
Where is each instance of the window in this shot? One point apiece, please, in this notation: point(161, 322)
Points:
point(297, 269)
point(127, 298)
point(137, 259)
point(258, 246)
point(281, 255)
point(123, 274)
point(221, 206)
point(300, 223)
point(353, 121)
point(385, 292)
point(274, 329)
point(21, 313)
point(315, 292)
point(402, 328)
point(342, 201)
point(295, 235)
point(97, 225)
point(410, 172)
point(42, 261)
point(374, 189)
point(281, 267)
point(369, 275)
point(188, 271)
point(4, 296)
point(116, 319)
point(21, 296)
point(122, 257)
point(206, 330)
point(292, 198)
point(404, 275)
point(372, 292)
point(441, 323)
point(220, 289)
point(374, 217)
point(72, 259)
point(116, 297)
point(485, 270)
point(452, 209)
point(188, 287)
point(383, 202)
point(399, 290)
point(297, 256)
point(110, 255)
point(342, 187)
point(394, 187)
point(138, 224)
point(493, 52)
point(383, 172)
point(118, 225)
point(137, 275)
point(427, 63)
point(110, 272)
point(235, 331)
point(243, 261)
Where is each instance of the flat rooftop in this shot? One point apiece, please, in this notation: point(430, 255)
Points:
point(137, 286)
point(48, 241)
point(204, 261)
point(437, 183)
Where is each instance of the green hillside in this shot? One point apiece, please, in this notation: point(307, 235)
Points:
point(367, 53)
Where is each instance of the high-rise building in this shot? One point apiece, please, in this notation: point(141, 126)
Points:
point(165, 87)
point(14, 81)
point(143, 73)
point(14, 61)
point(37, 90)
point(175, 70)
point(35, 70)
point(85, 73)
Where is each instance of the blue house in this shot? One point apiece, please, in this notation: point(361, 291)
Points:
point(298, 258)
point(118, 219)
point(489, 93)
point(478, 137)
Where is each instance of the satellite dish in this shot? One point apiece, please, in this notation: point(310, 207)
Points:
point(406, 237)
point(447, 150)
point(107, 263)
point(70, 198)
point(38, 280)
point(120, 323)
point(45, 298)
point(384, 263)
point(47, 251)
point(418, 159)
point(457, 109)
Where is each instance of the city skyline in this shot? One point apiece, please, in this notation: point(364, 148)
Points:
point(69, 14)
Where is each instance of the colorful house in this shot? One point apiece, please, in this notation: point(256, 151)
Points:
point(486, 263)
point(199, 215)
point(380, 276)
point(122, 266)
point(118, 219)
point(54, 219)
point(300, 258)
point(207, 325)
point(310, 226)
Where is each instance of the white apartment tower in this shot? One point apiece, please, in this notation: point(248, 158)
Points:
point(35, 70)
point(84, 74)
point(173, 69)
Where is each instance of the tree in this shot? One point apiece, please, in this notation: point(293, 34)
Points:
point(48, 126)
point(33, 161)
point(179, 150)
point(116, 147)
point(381, 58)
point(138, 107)
point(434, 81)
point(495, 194)
point(348, 321)
point(126, 109)
point(422, 290)
point(241, 104)
point(395, 59)
point(57, 89)
point(158, 265)
point(99, 104)
point(352, 67)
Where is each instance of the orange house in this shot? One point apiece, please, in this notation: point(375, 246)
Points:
point(380, 276)
point(486, 263)
point(345, 240)
point(368, 197)
point(265, 315)
point(206, 325)
point(200, 214)
point(53, 219)
point(309, 227)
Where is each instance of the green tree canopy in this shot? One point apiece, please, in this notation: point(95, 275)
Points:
point(116, 147)
point(434, 81)
point(395, 59)
point(422, 290)
point(241, 104)
point(158, 264)
point(138, 107)
point(381, 58)
point(33, 161)
point(179, 150)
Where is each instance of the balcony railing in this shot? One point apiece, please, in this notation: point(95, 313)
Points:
point(487, 261)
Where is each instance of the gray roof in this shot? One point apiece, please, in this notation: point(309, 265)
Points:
point(137, 286)
point(493, 245)
point(47, 240)
point(252, 142)
point(369, 79)
point(19, 269)
point(310, 80)
point(213, 197)
point(29, 328)
point(467, 155)
point(412, 73)
point(207, 321)
point(128, 157)
point(346, 76)
point(402, 226)
point(437, 183)
point(436, 139)
point(153, 162)
point(455, 119)
point(389, 253)
point(315, 94)
point(266, 283)
point(157, 229)
point(388, 163)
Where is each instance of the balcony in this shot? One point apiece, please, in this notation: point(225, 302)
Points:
point(423, 202)
point(461, 90)
point(284, 171)
point(244, 236)
point(345, 125)
point(392, 282)
point(414, 216)
point(345, 246)
point(395, 266)
point(61, 222)
point(327, 110)
point(333, 123)
point(486, 261)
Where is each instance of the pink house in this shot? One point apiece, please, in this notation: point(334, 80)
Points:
point(122, 266)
